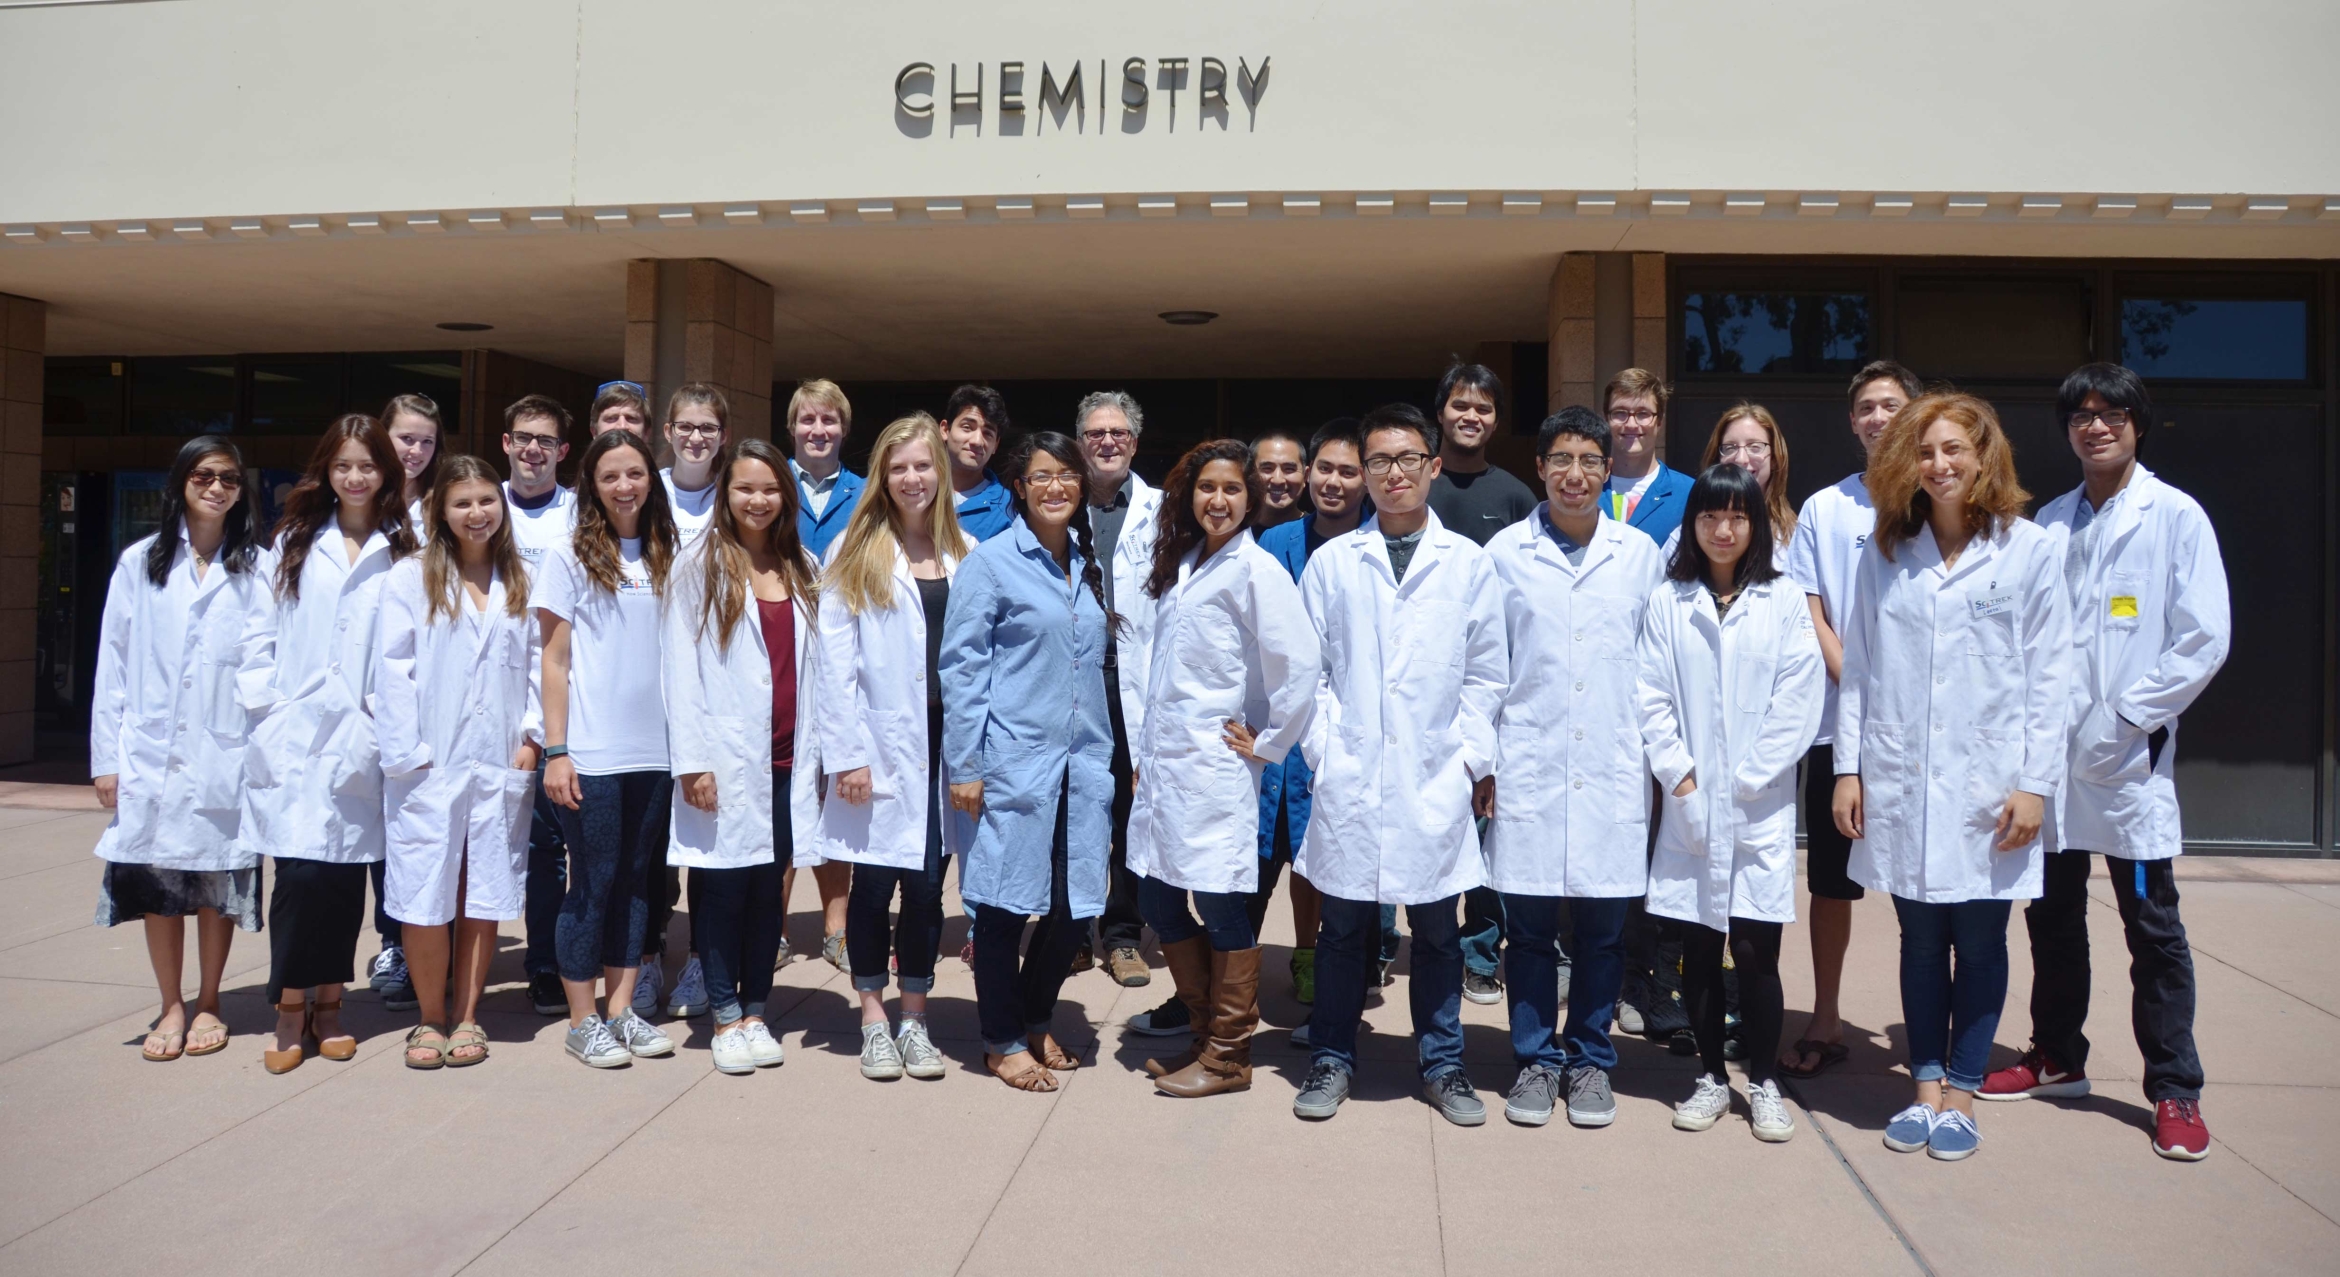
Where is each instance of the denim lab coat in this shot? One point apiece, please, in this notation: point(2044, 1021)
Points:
point(988, 511)
point(1284, 786)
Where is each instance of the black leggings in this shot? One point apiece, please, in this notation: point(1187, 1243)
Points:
point(1012, 999)
point(1755, 952)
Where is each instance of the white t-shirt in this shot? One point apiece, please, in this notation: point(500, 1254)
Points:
point(538, 530)
point(693, 511)
point(617, 709)
point(1824, 558)
point(1631, 490)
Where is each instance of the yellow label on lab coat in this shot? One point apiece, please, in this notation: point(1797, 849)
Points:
point(2124, 605)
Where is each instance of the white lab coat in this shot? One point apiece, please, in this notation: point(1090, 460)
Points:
point(164, 718)
point(719, 720)
point(454, 698)
point(1133, 562)
point(1230, 639)
point(1955, 695)
point(1404, 723)
point(1571, 790)
point(313, 772)
point(1734, 700)
point(2150, 627)
point(872, 687)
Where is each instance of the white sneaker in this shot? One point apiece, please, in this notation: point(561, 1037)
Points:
point(732, 1053)
point(646, 986)
point(690, 991)
point(881, 1060)
point(919, 1057)
point(1705, 1106)
point(1629, 1020)
point(640, 1036)
point(1768, 1114)
point(762, 1046)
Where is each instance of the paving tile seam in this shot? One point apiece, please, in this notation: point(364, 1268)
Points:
point(2260, 1171)
point(2328, 903)
point(1884, 1215)
point(1064, 1085)
point(2241, 971)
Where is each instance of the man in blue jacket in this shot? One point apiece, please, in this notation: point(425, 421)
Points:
point(819, 418)
point(1643, 491)
point(973, 421)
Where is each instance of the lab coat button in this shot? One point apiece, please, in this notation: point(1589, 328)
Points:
point(186, 682)
point(1580, 685)
point(1576, 784)
point(1580, 735)
point(1580, 636)
point(337, 667)
point(1939, 680)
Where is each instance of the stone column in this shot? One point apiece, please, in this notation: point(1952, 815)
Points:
point(699, 319)
point(1607, 312)
point(23, 328)
point(1569, 328)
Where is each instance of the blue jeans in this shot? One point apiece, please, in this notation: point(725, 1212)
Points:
point(619, 827)
point(1952, 1015)
point(1482, 930)
point(1436, 987)
point(1226, 915)
point(1532, 925)
point(548, 881)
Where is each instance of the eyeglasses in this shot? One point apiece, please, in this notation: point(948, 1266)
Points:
point(1059, 480)
point(696, 429)
point(1405, 462)
point(1632, 417)
point(227, 480)
point(1590, 463)
point(607, 386)
point(1101, 436)
point(2113, 418)
point(1752, 451)
point(526, 442)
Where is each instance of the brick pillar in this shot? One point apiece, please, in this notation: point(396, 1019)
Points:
point(1649, 312)
point(1607, 312)
point(699, 319)
point(1569, 328)
point(22, 340)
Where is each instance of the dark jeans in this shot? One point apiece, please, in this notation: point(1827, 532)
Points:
point(1754, 950)
point(1482, 930)
point(1121, 926)
point(620, 824)
point(391, 930)
point(1226, 915)
point(667, 885)
point(913, 939)
point(736, 918)
point(1532, 929)
point(1951, 1012)
point(548, 882)
point(1436, 987)
point(1012, 1001)
point(2161, 970)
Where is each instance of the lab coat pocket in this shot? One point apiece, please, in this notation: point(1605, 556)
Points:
point(1016, 776)
point(519, 805)
point(355, 752)
point(2124, 601)
point(223, 714)
point(1992, 637)
point(2107, 751)
point(1886, 776)
point(897, 758)
point(1992, 766)
point(1689, 817)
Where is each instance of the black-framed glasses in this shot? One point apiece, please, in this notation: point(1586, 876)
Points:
point(696, 429)
point(1101, 436)
point(1632, 417)
point(1590, 463)
point(2113, 418)
point(1404, 463)
point(526, 441)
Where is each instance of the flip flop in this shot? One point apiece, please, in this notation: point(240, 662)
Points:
point(174, 1045)
point(1831, 1054)
point(216, 1023)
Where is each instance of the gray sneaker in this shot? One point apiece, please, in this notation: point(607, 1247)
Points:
point(1629, 1019)
point(1534, 1094)
point(1590, 1102)
point(920, 1059)
point(1321, 1095)
point(640, 1037)
point(592, 1043)
point(1451, 1094)
point(1486, 990)
point(1565, 968)
point(881, 1060)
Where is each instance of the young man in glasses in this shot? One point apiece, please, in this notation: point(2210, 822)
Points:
point(1568, 805)
point(1643, 491)
point(2151, 628)
point(1824, 556)
point(1403, 730)
point(973, 421)
point(543, 513)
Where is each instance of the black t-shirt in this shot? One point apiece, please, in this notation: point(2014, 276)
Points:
point(935, 597)
point(1482, 504)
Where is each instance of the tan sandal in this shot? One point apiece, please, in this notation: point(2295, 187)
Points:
point(1036, 1078)
point(419, 1038)
point(174, 1046)
point(341, 1046)
point(216, 1025)
point(467, 1035)
point(1052, 1056)
point(286, 1061)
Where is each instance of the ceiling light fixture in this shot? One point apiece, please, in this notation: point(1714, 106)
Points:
point(1188, 318)
point(465, 326)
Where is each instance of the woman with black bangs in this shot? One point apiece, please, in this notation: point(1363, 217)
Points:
point(313, 772)
point(166, 737)
point(1730, 699)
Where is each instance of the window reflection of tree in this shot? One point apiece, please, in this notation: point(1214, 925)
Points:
point(2149, 325)
point(1789, 332)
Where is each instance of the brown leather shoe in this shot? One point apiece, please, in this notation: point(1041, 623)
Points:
point(286, 1061)
point(1225, 1062)
point(1128, 968)
point(1190, 972)
point(341, 1046)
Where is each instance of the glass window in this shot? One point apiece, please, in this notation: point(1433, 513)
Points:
point(2018, 327)
point(2239, 339)
point(83, 396)
point(186, 396)
point(376, 378)
point(292, 395)
point(1770, 333)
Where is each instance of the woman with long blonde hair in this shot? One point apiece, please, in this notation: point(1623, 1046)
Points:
point(883, 599)
point(460, 725)
point(1749, 437)
point(1950, 736)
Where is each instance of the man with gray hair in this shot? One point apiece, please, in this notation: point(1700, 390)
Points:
point(1121, 515)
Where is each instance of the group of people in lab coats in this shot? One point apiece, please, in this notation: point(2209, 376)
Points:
point(1585, 708)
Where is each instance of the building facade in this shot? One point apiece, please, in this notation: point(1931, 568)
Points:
point(250, 216)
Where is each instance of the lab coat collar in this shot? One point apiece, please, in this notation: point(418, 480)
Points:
point(1980, 550)
point(1606, 534)
point(212, 578)
point(375, 543)
point(1436, 544)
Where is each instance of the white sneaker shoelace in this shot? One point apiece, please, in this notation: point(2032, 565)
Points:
point(918, 1050)
point(1710, 1099)
point(762, 1046)
point(1768, 1111)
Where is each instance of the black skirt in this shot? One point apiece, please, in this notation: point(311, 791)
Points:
point(129, 892)
point(314, 916)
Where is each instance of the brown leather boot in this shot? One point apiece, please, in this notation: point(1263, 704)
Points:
point(1190, 971)
point(1225, 1062)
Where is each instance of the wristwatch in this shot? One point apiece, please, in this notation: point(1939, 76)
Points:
point(552, 752)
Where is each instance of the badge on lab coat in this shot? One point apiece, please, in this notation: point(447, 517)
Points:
point(1992, 606)
point(2124, 605)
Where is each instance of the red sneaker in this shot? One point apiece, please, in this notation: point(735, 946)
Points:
point(2033, 1076)
point(2178, 1132)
